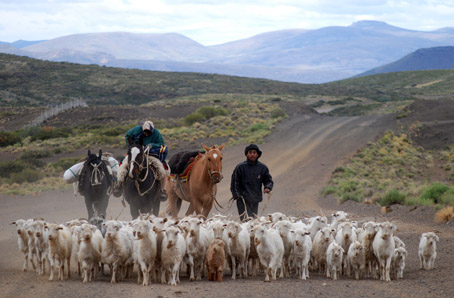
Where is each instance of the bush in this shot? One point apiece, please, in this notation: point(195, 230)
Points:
point(276, 113)
point(329, 190)
point(392, 197)
point(11, 167)
point(257, 126)
point(204, 113)
point(46, 133)
point(65, 163)
point(447, 198)
point(351, 196)
point(26, 175)
point(434, 191)
point(193, 118)
point(8, 139)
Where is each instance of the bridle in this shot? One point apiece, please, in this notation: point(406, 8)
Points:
point(213, 173)
point(141, 166)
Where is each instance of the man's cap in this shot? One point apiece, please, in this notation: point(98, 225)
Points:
point(253, 147)
point(148, 125)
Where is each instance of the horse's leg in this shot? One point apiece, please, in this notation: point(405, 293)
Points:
point(207, 207)
point(89, 204)
point(103, 205)
point(174, 201)
point(133, 208)
point(155, 202)
point(190, 209)
point(194, 206)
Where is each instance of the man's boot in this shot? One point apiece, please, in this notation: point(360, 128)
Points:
point(118, 190)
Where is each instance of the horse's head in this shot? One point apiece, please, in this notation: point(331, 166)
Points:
point(93, 159)
point(214, 162)
point(135, 159)
point(94, 169)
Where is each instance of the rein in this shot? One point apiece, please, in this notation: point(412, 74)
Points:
point(141, 167)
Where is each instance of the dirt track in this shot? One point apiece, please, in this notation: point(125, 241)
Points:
point(301, 154)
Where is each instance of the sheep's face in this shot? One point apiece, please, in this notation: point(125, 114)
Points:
point(387, 230)
point(326, 234)
point(194, 226)
point(400, 253)
point(358, 249)
point(53, 231)
point(431, 238)
point(87, 233)
point(337, 250)
point(259, 231)
point(233, 229)
point(172, 236)
point(369, 230)
point(140, 230)
point(347, 230)
point(299, 236)
point(112, 228)
point(218, 229)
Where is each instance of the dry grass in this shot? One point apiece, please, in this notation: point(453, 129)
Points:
point(444, 215)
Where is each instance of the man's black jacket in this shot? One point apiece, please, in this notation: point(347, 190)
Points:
point(247, 180)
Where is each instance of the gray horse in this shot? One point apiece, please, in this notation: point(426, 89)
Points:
point(95, 184)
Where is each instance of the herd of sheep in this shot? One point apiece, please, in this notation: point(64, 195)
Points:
point(163, 247)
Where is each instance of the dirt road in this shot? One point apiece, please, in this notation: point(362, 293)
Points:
point(301, 154)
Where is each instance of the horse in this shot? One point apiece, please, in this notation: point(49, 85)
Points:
point(142, 187)
point(95, 184)
point(201, 184)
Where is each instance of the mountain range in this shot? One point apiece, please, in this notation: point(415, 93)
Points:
point(296, 55)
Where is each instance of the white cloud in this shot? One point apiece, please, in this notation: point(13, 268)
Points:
point(209, 21)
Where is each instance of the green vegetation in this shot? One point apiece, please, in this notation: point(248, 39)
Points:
point(393, 171)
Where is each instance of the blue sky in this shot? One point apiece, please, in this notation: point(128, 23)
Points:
point(210, 22)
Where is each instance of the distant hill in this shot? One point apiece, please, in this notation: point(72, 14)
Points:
point(294, 55)
point(422, 59)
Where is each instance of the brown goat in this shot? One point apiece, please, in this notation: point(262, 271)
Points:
point(215, 260)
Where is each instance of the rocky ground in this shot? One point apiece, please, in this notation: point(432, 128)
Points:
point(301, 154)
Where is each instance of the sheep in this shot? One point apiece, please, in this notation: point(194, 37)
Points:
point(173, 250)
point(301, 252)
point(117, 249)
point(253, 261)
point(41, 244)
point(334, 255)
point(220, 232)
point(60, 247)
point(398, 262)
point(316, 224)
point(146, 249)
point(283, 227)
point(22, 241)
point(322, 240)
point(276, 217)
point(384, 246)
point(76, 240)
point(344, 237)
point(371, 262)
point(356, 258)
point(338, 217)
point(239, 246)
point(197, 243)
point(89, 255)
point(270, 249)
point(215, 260)
point(428, 250)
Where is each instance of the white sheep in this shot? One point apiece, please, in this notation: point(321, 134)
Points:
point(89, 255)
point(338, 217)
point(117, 249)
point(41, 244)
point(334, 256)
point(428, 250)
point(173, 250)
point(22, 241)
point(301, 252)
point(146, 249)
point(384, 246)
point(371, 261)
point(270, 249)
point(60, 246)
point(197, 242)
point(322, 240)
point(284, 227)
point(398, 262)
point(344, 237)
point(356, 258)
point(239, 245)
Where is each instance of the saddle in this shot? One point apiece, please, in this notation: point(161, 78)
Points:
point(180, 165)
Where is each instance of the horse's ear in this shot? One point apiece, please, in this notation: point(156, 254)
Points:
point(100, 153)
point(130, 141)
point(89, 152)
point(221, 147)
point(206, 147)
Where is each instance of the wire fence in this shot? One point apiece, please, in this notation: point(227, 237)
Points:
point(55, 110)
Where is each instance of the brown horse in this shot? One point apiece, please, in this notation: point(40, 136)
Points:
point(200, 187)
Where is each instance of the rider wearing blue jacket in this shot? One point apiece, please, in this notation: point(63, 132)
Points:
point(150, 136)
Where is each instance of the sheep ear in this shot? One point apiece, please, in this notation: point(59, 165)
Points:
point(165, 220)
point(13, 223)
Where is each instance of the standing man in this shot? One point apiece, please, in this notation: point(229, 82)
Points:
point(247, 180)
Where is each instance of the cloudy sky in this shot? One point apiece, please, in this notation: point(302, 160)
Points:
point(210, 22)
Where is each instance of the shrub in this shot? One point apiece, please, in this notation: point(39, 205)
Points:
point(11, 167)
point(434, 191)
point(351, 196)
point(447, 198)
point(46, 133)
point(26, 175)
point(193, 118)
point(329, 190)
point(257, 126)
point(392, 197)
point(8, 139)
point(276, 113)
point(204, 113)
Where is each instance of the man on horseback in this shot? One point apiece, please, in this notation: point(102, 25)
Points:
point(151, 139)
point(247, 180)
